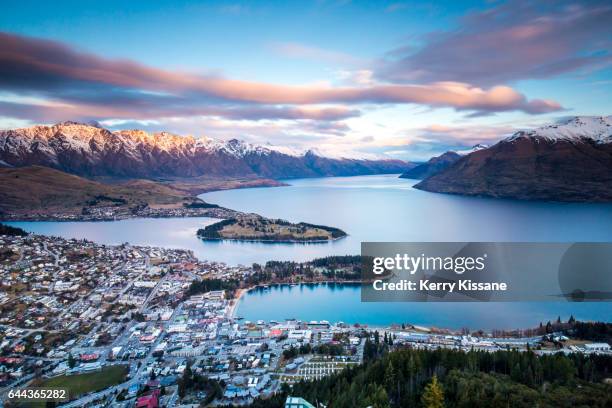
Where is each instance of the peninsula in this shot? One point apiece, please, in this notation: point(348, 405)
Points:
point(253, 227)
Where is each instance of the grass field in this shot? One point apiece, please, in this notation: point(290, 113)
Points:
point(83, 383)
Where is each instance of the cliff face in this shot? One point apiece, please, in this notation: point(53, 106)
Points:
point(93, 151)
point(567, 162)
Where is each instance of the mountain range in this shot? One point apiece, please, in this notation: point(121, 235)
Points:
point(568, 161)
point(437, 164)
point(92, 151)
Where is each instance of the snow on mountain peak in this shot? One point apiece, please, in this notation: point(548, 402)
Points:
point(92, 139)
point(475, 148)
point(286, 150)
point(345, 154)
point(597, 128)
point(328, 153)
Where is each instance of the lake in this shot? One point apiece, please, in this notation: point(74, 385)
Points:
point(342, 303)
point(368, 208)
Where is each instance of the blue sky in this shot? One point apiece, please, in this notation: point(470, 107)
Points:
point(395, 78)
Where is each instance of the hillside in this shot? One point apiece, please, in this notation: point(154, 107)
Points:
point(571, 161)
point(432, 166)
point(439, 163)
point(42, 189)
point(92, 151)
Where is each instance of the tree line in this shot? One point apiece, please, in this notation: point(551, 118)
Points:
point(13, 231)
point(407, 377)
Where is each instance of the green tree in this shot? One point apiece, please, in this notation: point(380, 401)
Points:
point(377, 397)
point(433, 396)
point(549, 328)
point(390, 379)
point(71, 361)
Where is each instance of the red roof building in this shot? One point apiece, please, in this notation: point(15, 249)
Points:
point(148, 401)
point(89, 357)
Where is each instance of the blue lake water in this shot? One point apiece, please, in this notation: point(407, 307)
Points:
point(368, 208)
point(342, 303)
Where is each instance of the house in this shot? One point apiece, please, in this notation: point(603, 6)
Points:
point(295, 402)
point(150, 400)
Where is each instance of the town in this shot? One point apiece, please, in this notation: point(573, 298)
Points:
point(142, 326)
point(122, 212)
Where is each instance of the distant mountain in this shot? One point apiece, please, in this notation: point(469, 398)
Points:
point(436, 164)
point(571, 161)
point(432, 166)
point(88, 150)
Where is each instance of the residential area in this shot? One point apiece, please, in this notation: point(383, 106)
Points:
point(131, 326)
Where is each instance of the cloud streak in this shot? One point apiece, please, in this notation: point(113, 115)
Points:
point(463, 136)
point(52, 111)
point(120, 87)
point(512, 41)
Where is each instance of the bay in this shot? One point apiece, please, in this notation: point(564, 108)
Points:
point(369, 208)
point(342, 303)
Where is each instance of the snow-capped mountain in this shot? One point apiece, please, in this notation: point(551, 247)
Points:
point(89, 150)
point(595, 128)
point(571, 161)
point(330, 154)
point(472, 149)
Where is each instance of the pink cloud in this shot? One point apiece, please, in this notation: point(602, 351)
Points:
point(467, 136)
point(73, 77)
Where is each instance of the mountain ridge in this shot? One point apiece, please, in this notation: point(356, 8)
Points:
point(439, 163)
point(91, 151)
point(570, 161)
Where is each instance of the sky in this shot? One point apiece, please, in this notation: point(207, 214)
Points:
point(406, 80)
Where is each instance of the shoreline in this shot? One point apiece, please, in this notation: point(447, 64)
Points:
point(242, 291)
point(231, 313)
point(75, 214)
point(272, 241)
point(52, 219)
point(414, 327)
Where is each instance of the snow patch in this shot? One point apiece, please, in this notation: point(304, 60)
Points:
point(597, 128)
point(94, 142)
point(475, 148)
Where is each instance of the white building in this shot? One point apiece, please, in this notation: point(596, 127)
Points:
point(595, 347)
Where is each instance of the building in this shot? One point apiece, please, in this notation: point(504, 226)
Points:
point(593, 347)
point(296, 402)
point(148, 401)
point(89, 357)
